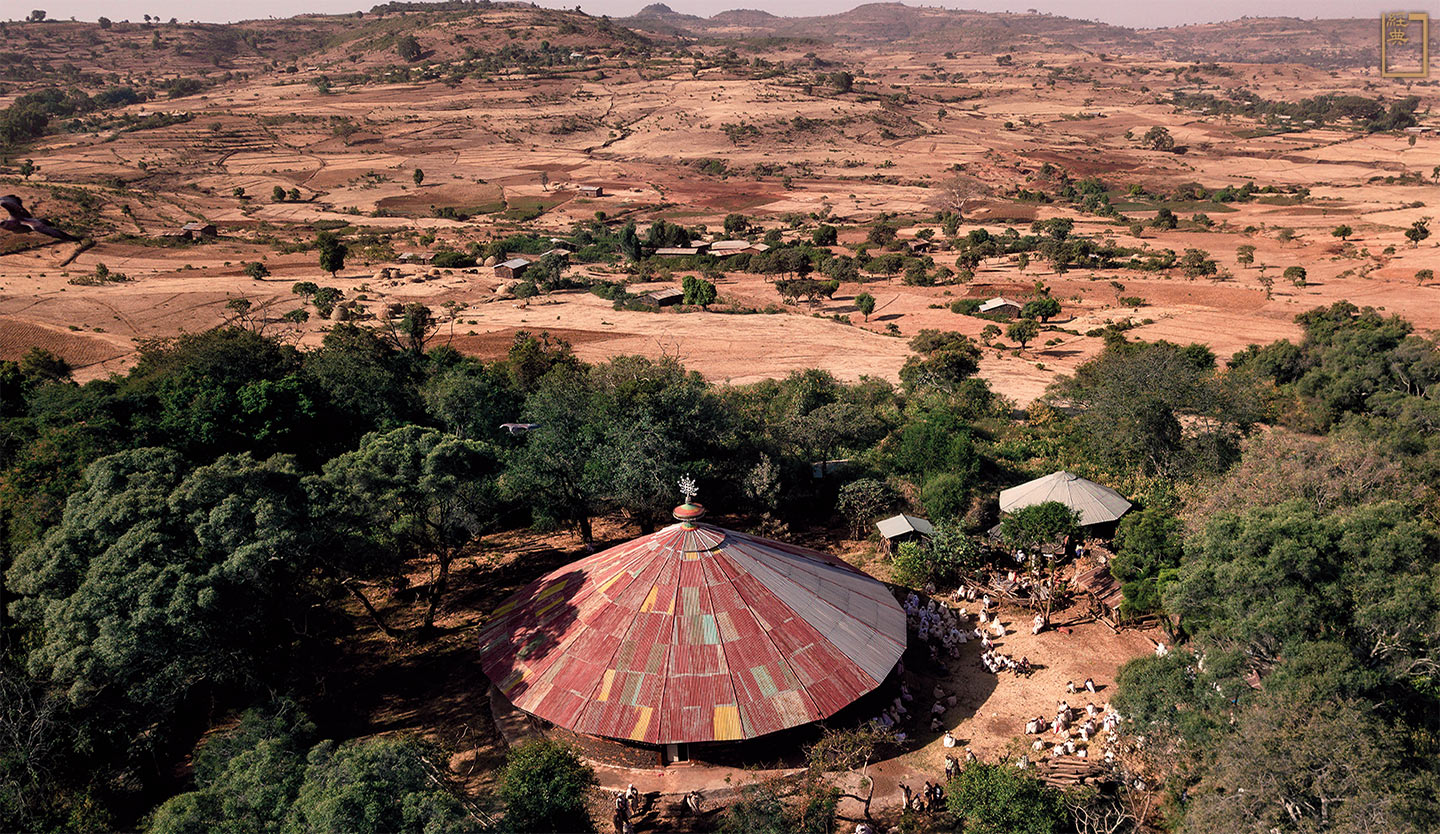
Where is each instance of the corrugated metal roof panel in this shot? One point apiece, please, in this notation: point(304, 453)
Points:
point(694, 633)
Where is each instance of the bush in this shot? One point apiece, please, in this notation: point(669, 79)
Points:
point(375, 786)
point(946, 495)
point(998, 799)
point(450, 259)
point(544, 788)
point(771, 807)
point(698, 291)
point(942, 559)
point(258, 777)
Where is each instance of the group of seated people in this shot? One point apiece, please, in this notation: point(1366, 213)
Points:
point(1074, 734)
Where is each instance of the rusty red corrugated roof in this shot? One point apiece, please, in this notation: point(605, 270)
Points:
point(694, 633)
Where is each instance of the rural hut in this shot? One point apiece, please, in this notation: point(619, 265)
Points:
point(678, 251)
point(1099, 506)
point(592, 191)
point(690, 641)
point(725, 248)
point(1001, 306)
point(198, 229)
point(903, 528)
point(513, 268)
point(667, 297)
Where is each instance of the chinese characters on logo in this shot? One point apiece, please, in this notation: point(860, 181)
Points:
point(1405, 45)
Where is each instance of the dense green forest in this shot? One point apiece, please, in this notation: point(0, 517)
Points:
point(184, 544)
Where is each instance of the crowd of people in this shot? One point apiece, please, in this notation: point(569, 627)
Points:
point(930, 799)
point(1074, 729)
point(941, 628)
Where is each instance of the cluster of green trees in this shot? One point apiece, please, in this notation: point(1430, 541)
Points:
point(1301, 573)
point(1373, 114)
point(179, 543)
point(178, 540)
point(272, 773)
point(1055, 241)
point(30, 115)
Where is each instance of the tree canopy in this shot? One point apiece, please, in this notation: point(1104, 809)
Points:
point(544, 789)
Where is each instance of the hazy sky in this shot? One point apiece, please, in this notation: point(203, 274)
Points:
point(1124, 12)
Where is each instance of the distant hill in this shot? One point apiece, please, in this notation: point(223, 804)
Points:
point(1317, 42)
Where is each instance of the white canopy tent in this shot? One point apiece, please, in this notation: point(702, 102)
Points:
point(1096, 504)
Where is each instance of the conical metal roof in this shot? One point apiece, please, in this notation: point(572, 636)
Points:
point(1096, 504)
point(693, 633)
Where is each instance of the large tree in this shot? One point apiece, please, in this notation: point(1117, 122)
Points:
point(332, 252)
point(1039, 524)
point(1327, 765)
point(415, 492)
point(471, 399)
point(656, 422)
point(163, 585)
point(224, 390)
point(555, 472)
point(1159, 407)
point(1282, 575)
point(946, 360)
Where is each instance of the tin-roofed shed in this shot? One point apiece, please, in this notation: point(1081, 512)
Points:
point(512, 268)
point(903, 527)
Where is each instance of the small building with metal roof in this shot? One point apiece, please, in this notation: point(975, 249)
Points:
point(1001, 306)
point(198, 229)
point(668, 297)
point(725, 248)
point(512, 268)
point(902, 528)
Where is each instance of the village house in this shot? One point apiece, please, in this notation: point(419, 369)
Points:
point(511, 269)
point(1001, 306)
point(726, 248)
point(663, 298)
point(198, 229)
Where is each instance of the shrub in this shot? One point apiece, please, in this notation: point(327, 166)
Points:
point(450, 259)
point(544, 788)
point(999, 799)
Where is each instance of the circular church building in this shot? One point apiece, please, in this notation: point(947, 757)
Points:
point(693, 636)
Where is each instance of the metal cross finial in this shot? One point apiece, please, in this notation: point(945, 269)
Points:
point(688, 488)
